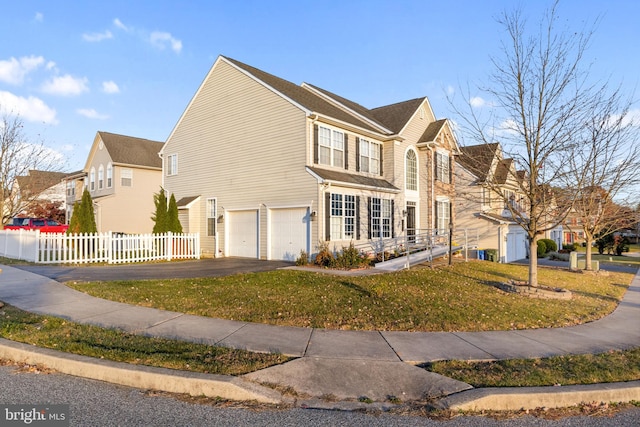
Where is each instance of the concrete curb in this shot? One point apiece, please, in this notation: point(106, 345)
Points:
point(139, 376)
point(517, 398)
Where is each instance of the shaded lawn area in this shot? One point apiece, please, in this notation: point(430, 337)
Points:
point(454, 298)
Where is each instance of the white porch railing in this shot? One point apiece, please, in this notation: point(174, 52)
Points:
point(112, 248)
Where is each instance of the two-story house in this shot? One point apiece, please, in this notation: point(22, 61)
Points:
point(122, 173)
point(265, 168)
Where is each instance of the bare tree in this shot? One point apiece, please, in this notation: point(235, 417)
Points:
point(18, 156)
point(540, 99)
point(608, 167)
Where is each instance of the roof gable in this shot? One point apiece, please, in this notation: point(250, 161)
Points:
point(478, 159)
point(396, 116)
point(37, 181)
point(129, 150)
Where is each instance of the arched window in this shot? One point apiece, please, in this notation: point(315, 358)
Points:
point(92, 180)
point(411, 168)
point(100, 177)
point(109, 175)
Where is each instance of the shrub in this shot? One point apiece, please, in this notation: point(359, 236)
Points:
point(570, 247)
point(550, 245)
point(350, 257)
point(558, 256)
point(325, 257)
point(303, 259)
point(542, 248)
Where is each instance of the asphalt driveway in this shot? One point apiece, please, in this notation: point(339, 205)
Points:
point(161, 270)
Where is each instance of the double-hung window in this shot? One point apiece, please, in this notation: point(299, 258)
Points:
point(211, 217)
point(330, 147)
point(369, 156)
point(172, 164)
point(92, 180)
point(442, 167)
point(100, 177)
point(343, 216)
point(380, 218)
point(443, 216)
point(126, 177)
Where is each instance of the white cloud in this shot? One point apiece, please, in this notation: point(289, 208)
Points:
point(66, 85)
point(118, 23)
point(477, 102)
point(160, 40)
point(91, 114)
point(39, 17)
point(110, 87)
point(32, 109)
point(97, 37)
point(14, 70)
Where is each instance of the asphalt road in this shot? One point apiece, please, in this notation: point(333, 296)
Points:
point(94, 403)
point(208, 267)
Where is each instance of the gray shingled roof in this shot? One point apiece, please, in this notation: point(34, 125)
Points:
point(129, 150)
point(396, 116)
point(477, 159)
point(432, 131)
point(348, 178)
point(38, 181)
point(183, 202)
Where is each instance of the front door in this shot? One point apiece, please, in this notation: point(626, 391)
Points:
point(411, 222)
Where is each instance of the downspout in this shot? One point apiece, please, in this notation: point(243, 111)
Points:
point(433, 188)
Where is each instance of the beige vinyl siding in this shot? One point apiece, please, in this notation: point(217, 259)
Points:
point(243, 144)
point(129, 209)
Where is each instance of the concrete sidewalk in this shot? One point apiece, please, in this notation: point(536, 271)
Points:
point(343, 364)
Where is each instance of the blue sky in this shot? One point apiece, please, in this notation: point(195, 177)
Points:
point(73, 68)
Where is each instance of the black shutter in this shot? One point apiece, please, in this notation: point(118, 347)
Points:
point(357, 217)
point(435, 217)
point(327, 216)
point(315, 144)
point(381, 160)
point(450, 169)
point(435, 166)
point(346, 151)
point(369, 216)
point(357, 154)
point(393, 224)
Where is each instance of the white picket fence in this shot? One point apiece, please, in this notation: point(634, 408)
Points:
point(112, 248)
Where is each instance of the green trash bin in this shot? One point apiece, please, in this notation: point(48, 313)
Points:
point(491, 255)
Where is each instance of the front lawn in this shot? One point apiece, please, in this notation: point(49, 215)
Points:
point(455, 298)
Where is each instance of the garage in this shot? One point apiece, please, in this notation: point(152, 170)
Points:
point(516, 246)
point(288, 233)
point(243, 233)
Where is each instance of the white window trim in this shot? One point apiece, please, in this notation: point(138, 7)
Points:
point(443, 173)
point(406, 171)
point(92, 180)
point(384, 227)
point(211, 216)
point(332, 146)
point(340, 219)
point(372, 158)
point(100, 177)
point(439, 202)
point(172, 164)
point(129, 171)
point(109, 175)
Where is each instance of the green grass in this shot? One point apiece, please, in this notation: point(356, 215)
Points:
point(608, 367)
point(455, 298)
point(87, 340)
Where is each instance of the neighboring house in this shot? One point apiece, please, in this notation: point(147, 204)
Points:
point(264, 168)
point(122, 173)
point(480, 209)
point(489, 192)
point(38, 187)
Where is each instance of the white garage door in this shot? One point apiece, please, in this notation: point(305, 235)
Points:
point(289, 233)
point(516, 246)
point(243, 233)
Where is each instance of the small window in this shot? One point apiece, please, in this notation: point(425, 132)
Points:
point(380, 218)
point(126, 177)
point(172, 164)
point(443, 215)
point(211, 216)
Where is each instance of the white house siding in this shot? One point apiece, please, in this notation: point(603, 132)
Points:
point(244, 145)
